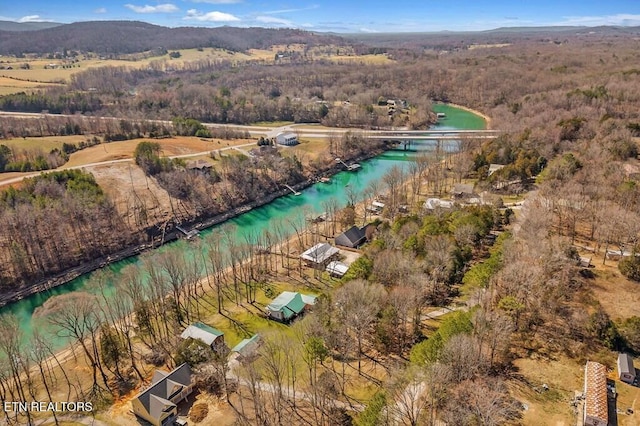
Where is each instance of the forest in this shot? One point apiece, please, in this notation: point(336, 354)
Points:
point(569, 119)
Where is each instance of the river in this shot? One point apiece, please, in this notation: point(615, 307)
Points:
point(289, 207)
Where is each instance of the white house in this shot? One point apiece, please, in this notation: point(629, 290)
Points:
point(287, 139)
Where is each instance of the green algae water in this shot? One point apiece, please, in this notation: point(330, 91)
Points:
point(290, 208)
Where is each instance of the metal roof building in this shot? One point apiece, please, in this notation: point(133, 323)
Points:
point(595, 395)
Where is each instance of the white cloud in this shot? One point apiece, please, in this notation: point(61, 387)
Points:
point(622, 19)
point(33, 18)
point(273, 20)
point(275, 12)
point(368, 30)
point(217, 1)
point(161, 8)
point(195, 15)
point(100, 10)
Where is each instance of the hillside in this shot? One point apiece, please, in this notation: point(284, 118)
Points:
point(26, 26)
point(445, 40)
point(121, 37)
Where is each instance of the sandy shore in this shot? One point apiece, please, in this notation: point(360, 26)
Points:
point(474, 111)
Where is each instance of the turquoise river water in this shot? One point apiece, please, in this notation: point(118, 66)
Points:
point(288, 207)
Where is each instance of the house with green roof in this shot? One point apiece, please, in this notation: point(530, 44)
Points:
point(288, 305)
point(246, 346)
point(212, 337)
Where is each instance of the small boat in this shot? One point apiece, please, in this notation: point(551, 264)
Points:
point(441, 115)
point(325, 180)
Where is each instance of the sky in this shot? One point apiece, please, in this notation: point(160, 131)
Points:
point(342, 16)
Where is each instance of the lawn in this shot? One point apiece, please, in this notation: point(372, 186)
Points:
point(551, 407)
point(45, 144)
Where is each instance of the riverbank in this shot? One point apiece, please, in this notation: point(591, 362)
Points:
point(160, 238)
point(485, 117)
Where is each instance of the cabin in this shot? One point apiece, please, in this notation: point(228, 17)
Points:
point(210, 336)
point(595, 395)
point(287, 139)
point(158, 404)
point(626, 370)
point(352, 237)
point(319, 255)
point(337, 269)
point(494, 168)
point(289, 305)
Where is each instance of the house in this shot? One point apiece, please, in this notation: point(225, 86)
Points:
point(287, 139)
point(247, 346)
point(288, 305)
point(209, 335)
point(626, 370)
point(158, 403)
point(461, 190)
point(595, 395)
point(337, 269)
point(435, 203)
point(352, 237)
point(319, 255)
point(199, 165)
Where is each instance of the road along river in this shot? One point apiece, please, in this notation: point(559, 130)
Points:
point(288, 208)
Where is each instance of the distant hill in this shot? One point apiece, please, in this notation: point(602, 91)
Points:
point(26, 26)
point(122, 37)
point(460, 39)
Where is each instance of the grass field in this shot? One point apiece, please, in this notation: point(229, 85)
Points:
point(46, 143)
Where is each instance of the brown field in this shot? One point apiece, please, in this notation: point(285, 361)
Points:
point(618, 295)
point(180, 145)
point(308, 149)
point(129, 188)
point(366, 59)
point(547, 408)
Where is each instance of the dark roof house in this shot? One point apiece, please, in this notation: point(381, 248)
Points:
point(158, 403)
point(352, 237)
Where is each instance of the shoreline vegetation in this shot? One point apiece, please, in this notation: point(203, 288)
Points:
point(67, 276)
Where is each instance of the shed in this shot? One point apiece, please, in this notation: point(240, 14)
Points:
point(246, 346)
point(289, 305)
point(352, 237)
point(337, 269)
point(595, 395)
point(319, 255)
point(626, 370)
point(209, 335)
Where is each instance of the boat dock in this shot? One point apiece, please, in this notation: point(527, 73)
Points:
point(292, 190)
point(188, 234)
